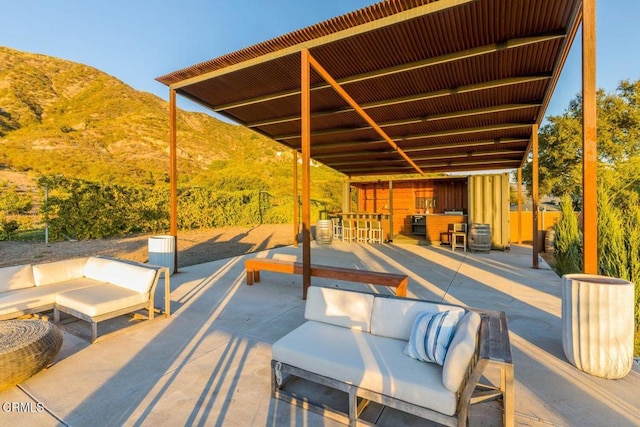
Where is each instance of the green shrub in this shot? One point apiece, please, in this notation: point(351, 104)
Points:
point(612, 248)
point(568, 240)
point(633, 250)
point(7, 228)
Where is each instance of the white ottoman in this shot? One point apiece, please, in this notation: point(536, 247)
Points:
point(597, 324)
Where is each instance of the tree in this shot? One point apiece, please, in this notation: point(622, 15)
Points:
point(560, 145)
point(12, 201)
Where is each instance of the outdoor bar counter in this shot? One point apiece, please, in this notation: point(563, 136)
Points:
point(435, 227)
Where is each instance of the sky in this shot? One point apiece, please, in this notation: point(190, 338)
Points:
point(139, 40)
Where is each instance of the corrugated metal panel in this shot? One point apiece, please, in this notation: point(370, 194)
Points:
point(462, 58)
point(489, 204)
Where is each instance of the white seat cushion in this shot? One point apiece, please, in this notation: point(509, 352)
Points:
point(394, 317)
point(371, 362)
point(18, 277)
point(38, 296)
point(58, 271)
point(100, 299)
point(134, 277)
point(339, 307)
point(461, 350)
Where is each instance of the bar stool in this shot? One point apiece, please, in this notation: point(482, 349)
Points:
point(459, 230)
point(362, 231)
point(348, 230)
point(375, 231)
point(337, 227)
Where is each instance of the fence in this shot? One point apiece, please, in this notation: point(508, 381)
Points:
point(524, 232)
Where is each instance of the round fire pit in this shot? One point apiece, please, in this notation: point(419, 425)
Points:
point(26, 347)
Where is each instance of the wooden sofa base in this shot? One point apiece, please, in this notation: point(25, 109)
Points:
point(149, 306)
point(93, 320)
point(493, 348)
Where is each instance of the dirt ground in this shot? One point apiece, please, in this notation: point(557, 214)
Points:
point(194, 246)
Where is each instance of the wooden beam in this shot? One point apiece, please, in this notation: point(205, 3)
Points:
point(416, 12)
point(296, 225)
point(416, 120)
point(434, 169)
point(417, 159)
point(305, 111)
point(441, 134)
point(344, 95)
point(493, 164)
point(427, 148)
point(412, 98)
point(416, 65)
point(589, 142)
point(534, 194)
point(173, 175)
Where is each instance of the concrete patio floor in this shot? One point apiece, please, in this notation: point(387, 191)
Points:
point(209, 363)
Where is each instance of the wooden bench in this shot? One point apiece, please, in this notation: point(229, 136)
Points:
point(255, 265)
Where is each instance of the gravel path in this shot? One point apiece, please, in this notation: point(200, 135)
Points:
point(194, 246)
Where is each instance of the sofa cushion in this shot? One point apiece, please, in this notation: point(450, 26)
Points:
point(371, 362)
point(394, 317)
point(461, 350)
point(58, 271)
point(431, 335)
point(14, 303)
point(339, 307)
point(134, 277)
point(100, 299)
point(18, 277)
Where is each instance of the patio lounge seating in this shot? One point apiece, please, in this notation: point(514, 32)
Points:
point(92, 289)
point(354, 342)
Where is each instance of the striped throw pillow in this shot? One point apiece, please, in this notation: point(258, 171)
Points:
point(431, 335)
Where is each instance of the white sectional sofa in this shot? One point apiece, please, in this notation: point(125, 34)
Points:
point(93, 289)
point(354, 342)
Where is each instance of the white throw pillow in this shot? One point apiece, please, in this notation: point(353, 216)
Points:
point(431, 335)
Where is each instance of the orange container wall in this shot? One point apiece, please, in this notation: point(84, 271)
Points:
point(449, 194)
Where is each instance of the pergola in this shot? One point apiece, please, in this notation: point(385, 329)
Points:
point(407, 86)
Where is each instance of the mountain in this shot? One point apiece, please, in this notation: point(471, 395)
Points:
point(61, 117)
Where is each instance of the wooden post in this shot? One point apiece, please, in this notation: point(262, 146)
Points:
point(296, 225)
point(173, 176)
point(346, 195)
point(589, 142)
point(390, 210)
point(534, 193)
point(519, 206)
point(305, 113)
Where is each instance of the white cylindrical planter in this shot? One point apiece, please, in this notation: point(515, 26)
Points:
point(162, 251)
point(597, 324)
